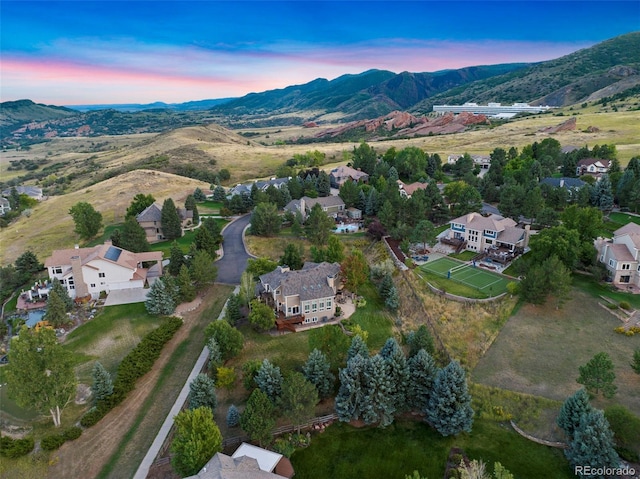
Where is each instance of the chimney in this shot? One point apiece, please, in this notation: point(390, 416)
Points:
point(561, 182)
point(284, 268)
point(78, 278)
point(527, 234)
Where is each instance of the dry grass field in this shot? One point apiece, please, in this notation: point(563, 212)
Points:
point(540, 349)
point(51, 227)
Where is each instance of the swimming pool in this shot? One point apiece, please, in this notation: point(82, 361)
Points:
point(346, 228)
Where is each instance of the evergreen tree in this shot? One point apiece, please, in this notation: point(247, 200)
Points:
point(214, 229)
point(215, 355)
point(257, 418)
point(190, 205)
point(133, 238)
point(176, 259)
point(265, 220)
point(449, 408)
point(269, 380)
point(379, 403)
point(219, 194)
point(603, 195)
point(335, 250)
point(318, 226)
point(62, 293)
point(350, 194)
point(592, 444)
point(56, 314)
point(392, 301)
point(198, 195)
point(292, 257)
point(323, 185)
point(232, 313)
point(358, 346)
point(196, 440)
point(420, 339)
point(159, 300)
point(102, 386)
point(352, 392)
point(371, 206)
point(572, 411)
point(296, 226)
point(317, 370)
point(185, 286)
point(385, 285)
point(398, 373)
point(116, 238)
point(597, 375)
point(393, 174)
point(14, 198)
point(202, 392)
point(170, 221)
point(233, 416)
point(298, 399)
point(362, 200)
point(203, 241)
point(202, 270)
point(422, 374)
point(635, 363)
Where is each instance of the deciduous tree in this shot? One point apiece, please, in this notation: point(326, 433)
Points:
point(139, 203)
point(40, 373)
point(185, 286)
point(355, 270)
point(635, 363)
point(298, 399)
point(332, 342)
point(197, 439)
point(88, 221)
point(261, 316)
point(202, 270)
point(229, 339)
point(56, 313)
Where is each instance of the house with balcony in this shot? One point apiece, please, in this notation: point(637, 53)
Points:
point(303, 296)
point(339, 176)
point(593, 166)
point(495, 235)
point(621, 255)
point(89, 271)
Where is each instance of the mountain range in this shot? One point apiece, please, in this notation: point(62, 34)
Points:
point(608, 68)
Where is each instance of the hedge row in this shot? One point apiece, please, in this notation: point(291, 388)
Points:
point(134, 365)
point(15, 447)
point(54, 441)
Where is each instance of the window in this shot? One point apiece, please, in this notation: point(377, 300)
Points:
point(70, 281)
point(611, 262)
point(626, 266)
point(329, 301)
point(101, 275)
point(314, 307)
point(57, 270)
point(321, 305)
point(93, 285)
point(625, 279)
point(306, 307)
point(289, 309)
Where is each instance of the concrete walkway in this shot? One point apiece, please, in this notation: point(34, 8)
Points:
point(126, 296)
point(149, 458)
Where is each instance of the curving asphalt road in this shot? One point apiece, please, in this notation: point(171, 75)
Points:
point(234, 261)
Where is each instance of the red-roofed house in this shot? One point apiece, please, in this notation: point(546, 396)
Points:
point(621, 255)
point(592, 166)
point(89, 271)
point(408, 190)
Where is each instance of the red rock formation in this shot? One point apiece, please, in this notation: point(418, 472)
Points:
point(310, 124)
point(568, 125)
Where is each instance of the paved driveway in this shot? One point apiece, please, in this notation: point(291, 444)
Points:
point(234, 261)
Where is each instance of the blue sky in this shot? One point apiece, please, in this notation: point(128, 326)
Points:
point(82, 52)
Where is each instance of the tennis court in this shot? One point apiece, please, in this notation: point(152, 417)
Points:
point(467, 274)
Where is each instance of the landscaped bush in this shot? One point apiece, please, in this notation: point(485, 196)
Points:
point(52, 442)
point(72, 433)
point(13, 448)
point(625, 305)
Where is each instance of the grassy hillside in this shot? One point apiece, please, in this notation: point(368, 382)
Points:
point(51, 227)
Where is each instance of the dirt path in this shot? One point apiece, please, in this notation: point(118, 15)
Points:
point(86, 456)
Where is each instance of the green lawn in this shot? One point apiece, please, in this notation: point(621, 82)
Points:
point(344, 452)
point(209, 207)
point(596, 290)
point(464, 256)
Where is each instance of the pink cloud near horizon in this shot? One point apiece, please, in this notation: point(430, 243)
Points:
point(122, 73)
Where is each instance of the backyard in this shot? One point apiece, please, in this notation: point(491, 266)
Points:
point(540, 349)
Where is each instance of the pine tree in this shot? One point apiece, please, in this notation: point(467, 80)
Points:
point(422, 374)
point(292, 257)
point(202, 270)
point(358, 346)
point(597, 375)
point(298, 400)
point(450, 409)
point(420, 339)
point(352, 392)
point(62, 293)
point(202, 392)
point(385, 285)
point(296, 226)
point(176, 259)
point(187, 290)
point(572, 411)
point(635, 363)
point(393, 299)
point(232, 313)
point(317, 370)
point(133, 238)
point(203, 241)
point(233, 416)
point(102, 386)
point(323, 184)
point(379, 389)
point(190, 205)
point(397, 373)
point(170, 221)
point(219, 194)
point(159, 300)
point(257, 418)
point(56, 314)
point(592, 443)
point(269, 380)
point(198, 195)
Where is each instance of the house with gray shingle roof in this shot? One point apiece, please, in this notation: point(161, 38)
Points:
point(621, 255)
point(331, 205)
point(150, 219)
point(482, 233)
point(309, 292)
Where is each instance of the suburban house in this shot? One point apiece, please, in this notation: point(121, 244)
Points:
point(572, 185)
point(332, 205)
point(31, 191)
point(491, 233)
point(248, 462)
point(5, 206)
point(621, 255)
point(303, 296)
point(262, 185)
point(90, 271)
point(483, 161)
point(150, 219)
point(410, 189)
point(592, 166)
point(342, 174)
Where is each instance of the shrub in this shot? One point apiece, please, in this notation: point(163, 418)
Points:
point(93, 416)
point(625, 305)
point(14, 448)
point(72, 433)
point(52, 442)
point(283, 446)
